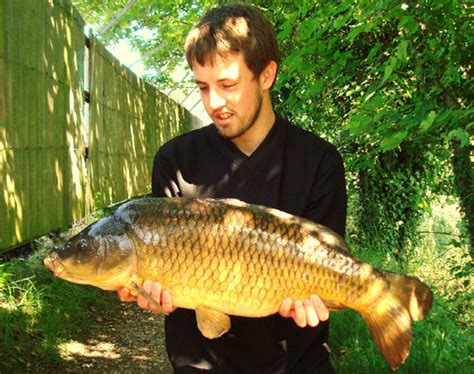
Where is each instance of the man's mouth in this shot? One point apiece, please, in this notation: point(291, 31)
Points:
point(223, 118)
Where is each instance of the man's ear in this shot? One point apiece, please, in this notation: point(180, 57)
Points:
point(267, 76)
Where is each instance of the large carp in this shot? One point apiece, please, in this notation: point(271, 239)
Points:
point(224, 257)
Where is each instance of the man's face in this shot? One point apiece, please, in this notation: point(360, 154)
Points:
point(230, 93)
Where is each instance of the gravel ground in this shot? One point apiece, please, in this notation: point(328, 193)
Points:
point(131, 341)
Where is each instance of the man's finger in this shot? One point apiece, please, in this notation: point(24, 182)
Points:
point(125, 295)
point(300, 314)
point(285, 307)
point(311, 315)
point(320, 307)
point(167, 302)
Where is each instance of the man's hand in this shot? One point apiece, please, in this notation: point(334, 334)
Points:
point(307, 313)
point(162, 297)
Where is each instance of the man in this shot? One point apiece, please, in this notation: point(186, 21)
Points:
point(251, 154)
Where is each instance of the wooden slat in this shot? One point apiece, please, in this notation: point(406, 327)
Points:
point(41, 122)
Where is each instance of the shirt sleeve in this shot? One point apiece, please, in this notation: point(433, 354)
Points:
point(328, 199)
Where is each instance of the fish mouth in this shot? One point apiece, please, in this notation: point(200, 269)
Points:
point(52, 263)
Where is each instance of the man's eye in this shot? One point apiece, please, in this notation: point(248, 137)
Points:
point(227, 86)
point(202, 88)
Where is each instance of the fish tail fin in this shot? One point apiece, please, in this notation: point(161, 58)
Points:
point(389, 321)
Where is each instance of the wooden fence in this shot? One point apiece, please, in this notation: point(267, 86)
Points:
point(46, 181)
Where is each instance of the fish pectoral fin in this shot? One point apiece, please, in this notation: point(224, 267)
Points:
point(212, 323)
point(145, 295)
point(333, 305)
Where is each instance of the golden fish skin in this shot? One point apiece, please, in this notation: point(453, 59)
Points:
point(224, 257)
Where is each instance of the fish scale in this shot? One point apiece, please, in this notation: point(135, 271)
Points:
point(222, 257)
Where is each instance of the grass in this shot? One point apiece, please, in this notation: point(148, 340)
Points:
point(39, 314)
point(443, 341)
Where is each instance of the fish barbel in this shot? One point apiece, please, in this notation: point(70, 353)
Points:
point(224, 257)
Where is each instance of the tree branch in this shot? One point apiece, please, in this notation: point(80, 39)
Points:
point(439, 233)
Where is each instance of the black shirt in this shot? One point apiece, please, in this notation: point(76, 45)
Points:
point(292, 170)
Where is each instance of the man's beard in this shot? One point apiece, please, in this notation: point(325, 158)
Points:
point(249, 124)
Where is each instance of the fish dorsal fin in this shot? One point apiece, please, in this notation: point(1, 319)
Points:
point(212, 323)
point(228, 201)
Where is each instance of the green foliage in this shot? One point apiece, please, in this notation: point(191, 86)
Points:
point(168, 23)
point(442, 256)
point(389, 83)
point(438, 344)
point(441, 342)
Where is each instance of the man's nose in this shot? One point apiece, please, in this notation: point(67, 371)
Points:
point(216, 100)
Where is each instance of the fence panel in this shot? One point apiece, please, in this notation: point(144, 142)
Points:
point(129, 120)
point(41, 132)
point(45, 181)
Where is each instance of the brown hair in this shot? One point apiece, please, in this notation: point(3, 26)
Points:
point(233, 28)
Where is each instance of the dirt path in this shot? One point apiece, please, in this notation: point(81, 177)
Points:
point(130, 341)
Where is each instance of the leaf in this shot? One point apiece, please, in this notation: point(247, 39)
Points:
point(316, 88)
point(409, 24)
point(356, 30)
point(306, 28)
point(285, 32)
point(389, 69)
point(388, 73)
point(402, 54)
point(307, 68)
point(359, 124)
point(369, 96)
point(293, 61)
point(374, 51)
point(340, 21)
point(375, 103)
point(393, 142)
point(404, 21)
point(462, 135)
point(426, 124)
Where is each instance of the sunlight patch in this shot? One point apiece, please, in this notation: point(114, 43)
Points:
point(7, 306)
point(71, 349)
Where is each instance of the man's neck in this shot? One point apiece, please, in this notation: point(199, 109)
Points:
point(254, 136)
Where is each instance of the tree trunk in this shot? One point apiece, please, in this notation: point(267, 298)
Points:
point(464, 183)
